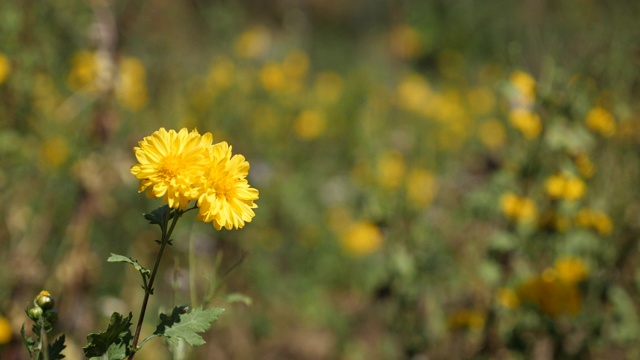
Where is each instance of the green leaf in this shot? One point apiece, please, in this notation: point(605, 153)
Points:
point(28, 340)
point(159, 216)
point(136, 264)
point(186, 325)
point(55, 349)
point(114, 341)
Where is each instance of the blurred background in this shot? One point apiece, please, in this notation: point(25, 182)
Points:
point(438, 179)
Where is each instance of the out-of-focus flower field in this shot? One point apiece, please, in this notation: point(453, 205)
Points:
point(438, 179)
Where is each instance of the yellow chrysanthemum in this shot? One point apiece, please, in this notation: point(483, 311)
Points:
point(227, 200)
point(171, 165)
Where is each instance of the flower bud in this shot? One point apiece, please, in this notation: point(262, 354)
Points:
point(44, 300)
point(35, 313)
point(51, 315)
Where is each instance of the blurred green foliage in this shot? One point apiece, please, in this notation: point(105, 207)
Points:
point(449, 179)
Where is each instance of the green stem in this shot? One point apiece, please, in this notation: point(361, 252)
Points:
point(43, 343)
point(148, 290)
point(192, 271)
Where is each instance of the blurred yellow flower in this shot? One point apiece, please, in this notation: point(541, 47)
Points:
point(527, 122)
point(571, 269)
point(520, 209)
point(93, 71)
point(5, 68)
point(593, 219)
point(525, 85)
point(221, 74)
point(310, 124)
point(253, 43)
point(296, 64)
point(507, 298)
point(84, 71)
point(171, 165)
point(391, 169)
point(272, 77)
point(6, 332)
point(328, 87)
point(227, 200)
point(585, 165)
point(601, 121)
point(574, 188)
point(421, 188)
point(492, 134)
point(565, 186)
point(53, 152)
point(361, 238)
point(413, 93)
point(550, 294)
point(45, 95)
point(481, 100)
point(449, 109)
point(466, 319)
point(131, 90)
point(405, 42)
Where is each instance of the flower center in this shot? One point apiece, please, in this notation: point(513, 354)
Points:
point(225, 188)
point(170, 166)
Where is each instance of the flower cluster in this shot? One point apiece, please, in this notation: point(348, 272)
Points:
point(93, 71)
point(554, 292)
point(519, 209)
point(184, 166)
point(565, 186)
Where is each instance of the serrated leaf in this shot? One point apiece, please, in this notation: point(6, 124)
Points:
point(28, 340)
point(159, 216)
point(167, 321)
point(237, 297)
point(115, 352)
point(115, 339)
point(136, 264)
point(186, 326)
point(55, 349)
